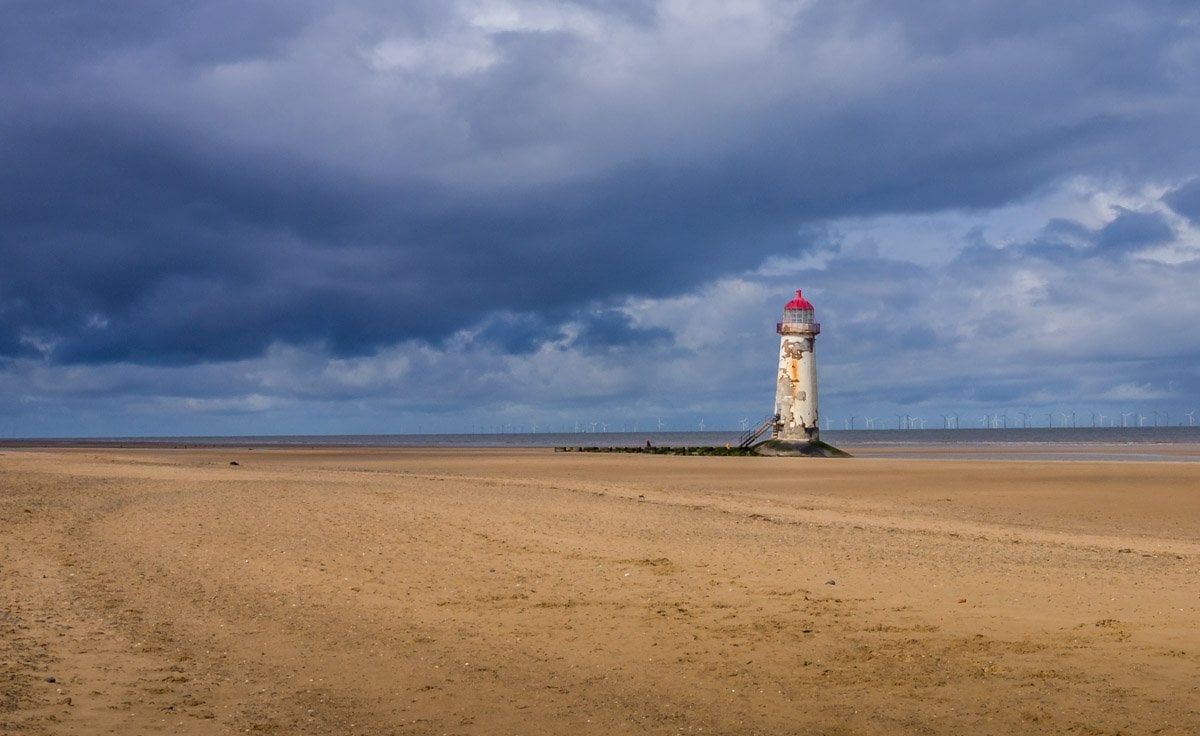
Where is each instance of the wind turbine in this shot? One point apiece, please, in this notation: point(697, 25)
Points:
point(1024, 420)
point(1191, 415)
point(1125, 418)
point(701, 425)
point(745, 422)
point(1065, 415)
point(660, 424)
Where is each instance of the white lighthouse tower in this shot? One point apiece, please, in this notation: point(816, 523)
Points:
point(796, 419)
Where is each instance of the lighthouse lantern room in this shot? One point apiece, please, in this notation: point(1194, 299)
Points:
point(796, 417)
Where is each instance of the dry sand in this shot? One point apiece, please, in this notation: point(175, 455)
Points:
point(529, 592)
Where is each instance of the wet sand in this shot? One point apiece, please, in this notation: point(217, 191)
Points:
point(531, 592)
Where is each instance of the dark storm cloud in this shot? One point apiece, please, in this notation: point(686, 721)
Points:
point(51, 40)
point(153, 210)
point(191, 254)
point(183, 254)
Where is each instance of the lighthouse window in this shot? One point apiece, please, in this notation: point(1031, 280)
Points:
point(797, 315)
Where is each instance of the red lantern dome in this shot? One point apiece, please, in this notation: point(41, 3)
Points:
point(799, 302)
point(798, 318)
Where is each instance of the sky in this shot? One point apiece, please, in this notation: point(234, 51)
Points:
point(303, 217)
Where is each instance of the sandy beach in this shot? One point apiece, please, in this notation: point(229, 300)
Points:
point(289, 591)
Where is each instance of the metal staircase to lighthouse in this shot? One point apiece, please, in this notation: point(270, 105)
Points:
point(750, 436)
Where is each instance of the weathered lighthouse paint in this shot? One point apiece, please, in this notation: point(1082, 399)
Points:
point(796, 417)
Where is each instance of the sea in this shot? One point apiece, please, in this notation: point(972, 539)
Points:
point(1065, 443)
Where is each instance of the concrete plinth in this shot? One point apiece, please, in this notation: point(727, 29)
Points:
point(799, 448)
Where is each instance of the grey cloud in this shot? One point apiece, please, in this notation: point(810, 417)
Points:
point(1186, 200)
point(516, 334)
point(610, 328)
point(1132, 230)
point(1062, 241)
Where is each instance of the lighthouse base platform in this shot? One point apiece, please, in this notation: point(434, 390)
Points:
point(798, 448)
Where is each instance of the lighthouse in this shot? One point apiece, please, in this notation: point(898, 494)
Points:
point(796, 419)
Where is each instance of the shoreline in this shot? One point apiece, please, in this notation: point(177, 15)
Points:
point(1154, 452)
point(1087, 436)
